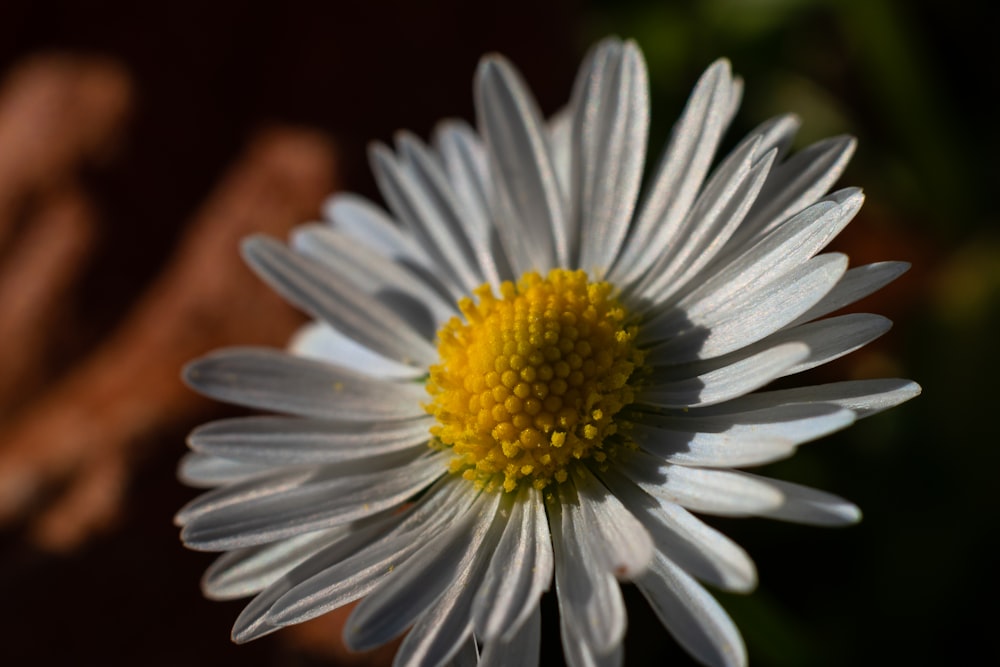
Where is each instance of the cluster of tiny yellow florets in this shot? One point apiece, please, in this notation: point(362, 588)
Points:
point(531, 382)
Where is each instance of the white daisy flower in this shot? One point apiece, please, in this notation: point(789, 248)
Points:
point(528, 371)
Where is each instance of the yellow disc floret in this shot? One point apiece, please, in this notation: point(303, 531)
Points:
point(531, 382)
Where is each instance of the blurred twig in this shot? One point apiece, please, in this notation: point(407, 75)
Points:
point(64, 458)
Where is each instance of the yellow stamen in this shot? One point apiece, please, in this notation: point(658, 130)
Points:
point(531, 382)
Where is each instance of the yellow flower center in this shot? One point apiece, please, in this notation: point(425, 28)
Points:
point(531, 382)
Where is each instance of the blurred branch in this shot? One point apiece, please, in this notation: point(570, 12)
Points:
point(82, 433)
point(56, 112)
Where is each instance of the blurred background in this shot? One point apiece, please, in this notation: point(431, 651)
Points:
point(139, 142)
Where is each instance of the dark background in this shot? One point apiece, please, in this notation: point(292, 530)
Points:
point(910, 585)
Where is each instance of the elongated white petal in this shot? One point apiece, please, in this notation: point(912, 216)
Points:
point(440, 632)
point(856, 284)
point(581, 654)
point(519, 572)
point(273, 380)
point(751, 315)
point(863, 397)
point(700, 550)
point(725, 383)
point(786, 247)
point(777, 134)
point(529, 209)
point(277, 480)
point(418, 582)
point(370, 270)
point(521, 648)
point(733, 493)
point(715, 216)
point(367, 223)
point(802, 504)
point(560, 133)
point(712, 450)
point(418, 194)
point(292, 441)
point(358, 573)
point(467, 167)
point(203, 471)
point(679, 174)
point(590, 601)
point(827, 340)
point(691, 615)
point(327, 296)
point(320, 341)
point(795, 184)
point(736, 439)
point(610, 127)
point(245, 572)
point(252, 622)
point(465, 162)
point(331, 498)
point(614, 533)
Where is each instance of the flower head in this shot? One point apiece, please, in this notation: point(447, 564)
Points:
point(526, 371)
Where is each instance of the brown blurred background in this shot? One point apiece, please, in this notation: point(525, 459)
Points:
point(139, 142)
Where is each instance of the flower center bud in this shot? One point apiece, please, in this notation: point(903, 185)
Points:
point(529, 383)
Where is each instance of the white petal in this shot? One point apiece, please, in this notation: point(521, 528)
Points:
point(327, 296)
point(441, 631)
point(294, 441)
point(692, 616)
point(827, 340)
point(242, 490)
point(333, 495)
point(787, 247)
point(749, 315)
point(590, 600)
point(413, 586)
point(802, 504)
point(252, 622)
point(245, 572)
point(357, 574)
point(795, 184)
point(369, 270)
point(370, 225)
point(700, 550)
point(613, 532)
point(734, 493)
point(725, 383)
point(863, 397)
point(520, 570)
point(320, 341)
point(522, 648)
point(777, 133)
point(736, 439)
point(679, 174)
point(834, 337)
point(529, 209)
point(465, 162)
point(203, 471)
point(610, 127)
point(856, 284)
point(272, 380)
point(417, 192)
point(578, 653)
point(716, 214)
point(560, 133)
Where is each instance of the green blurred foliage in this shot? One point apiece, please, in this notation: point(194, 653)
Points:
point(915, 82)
